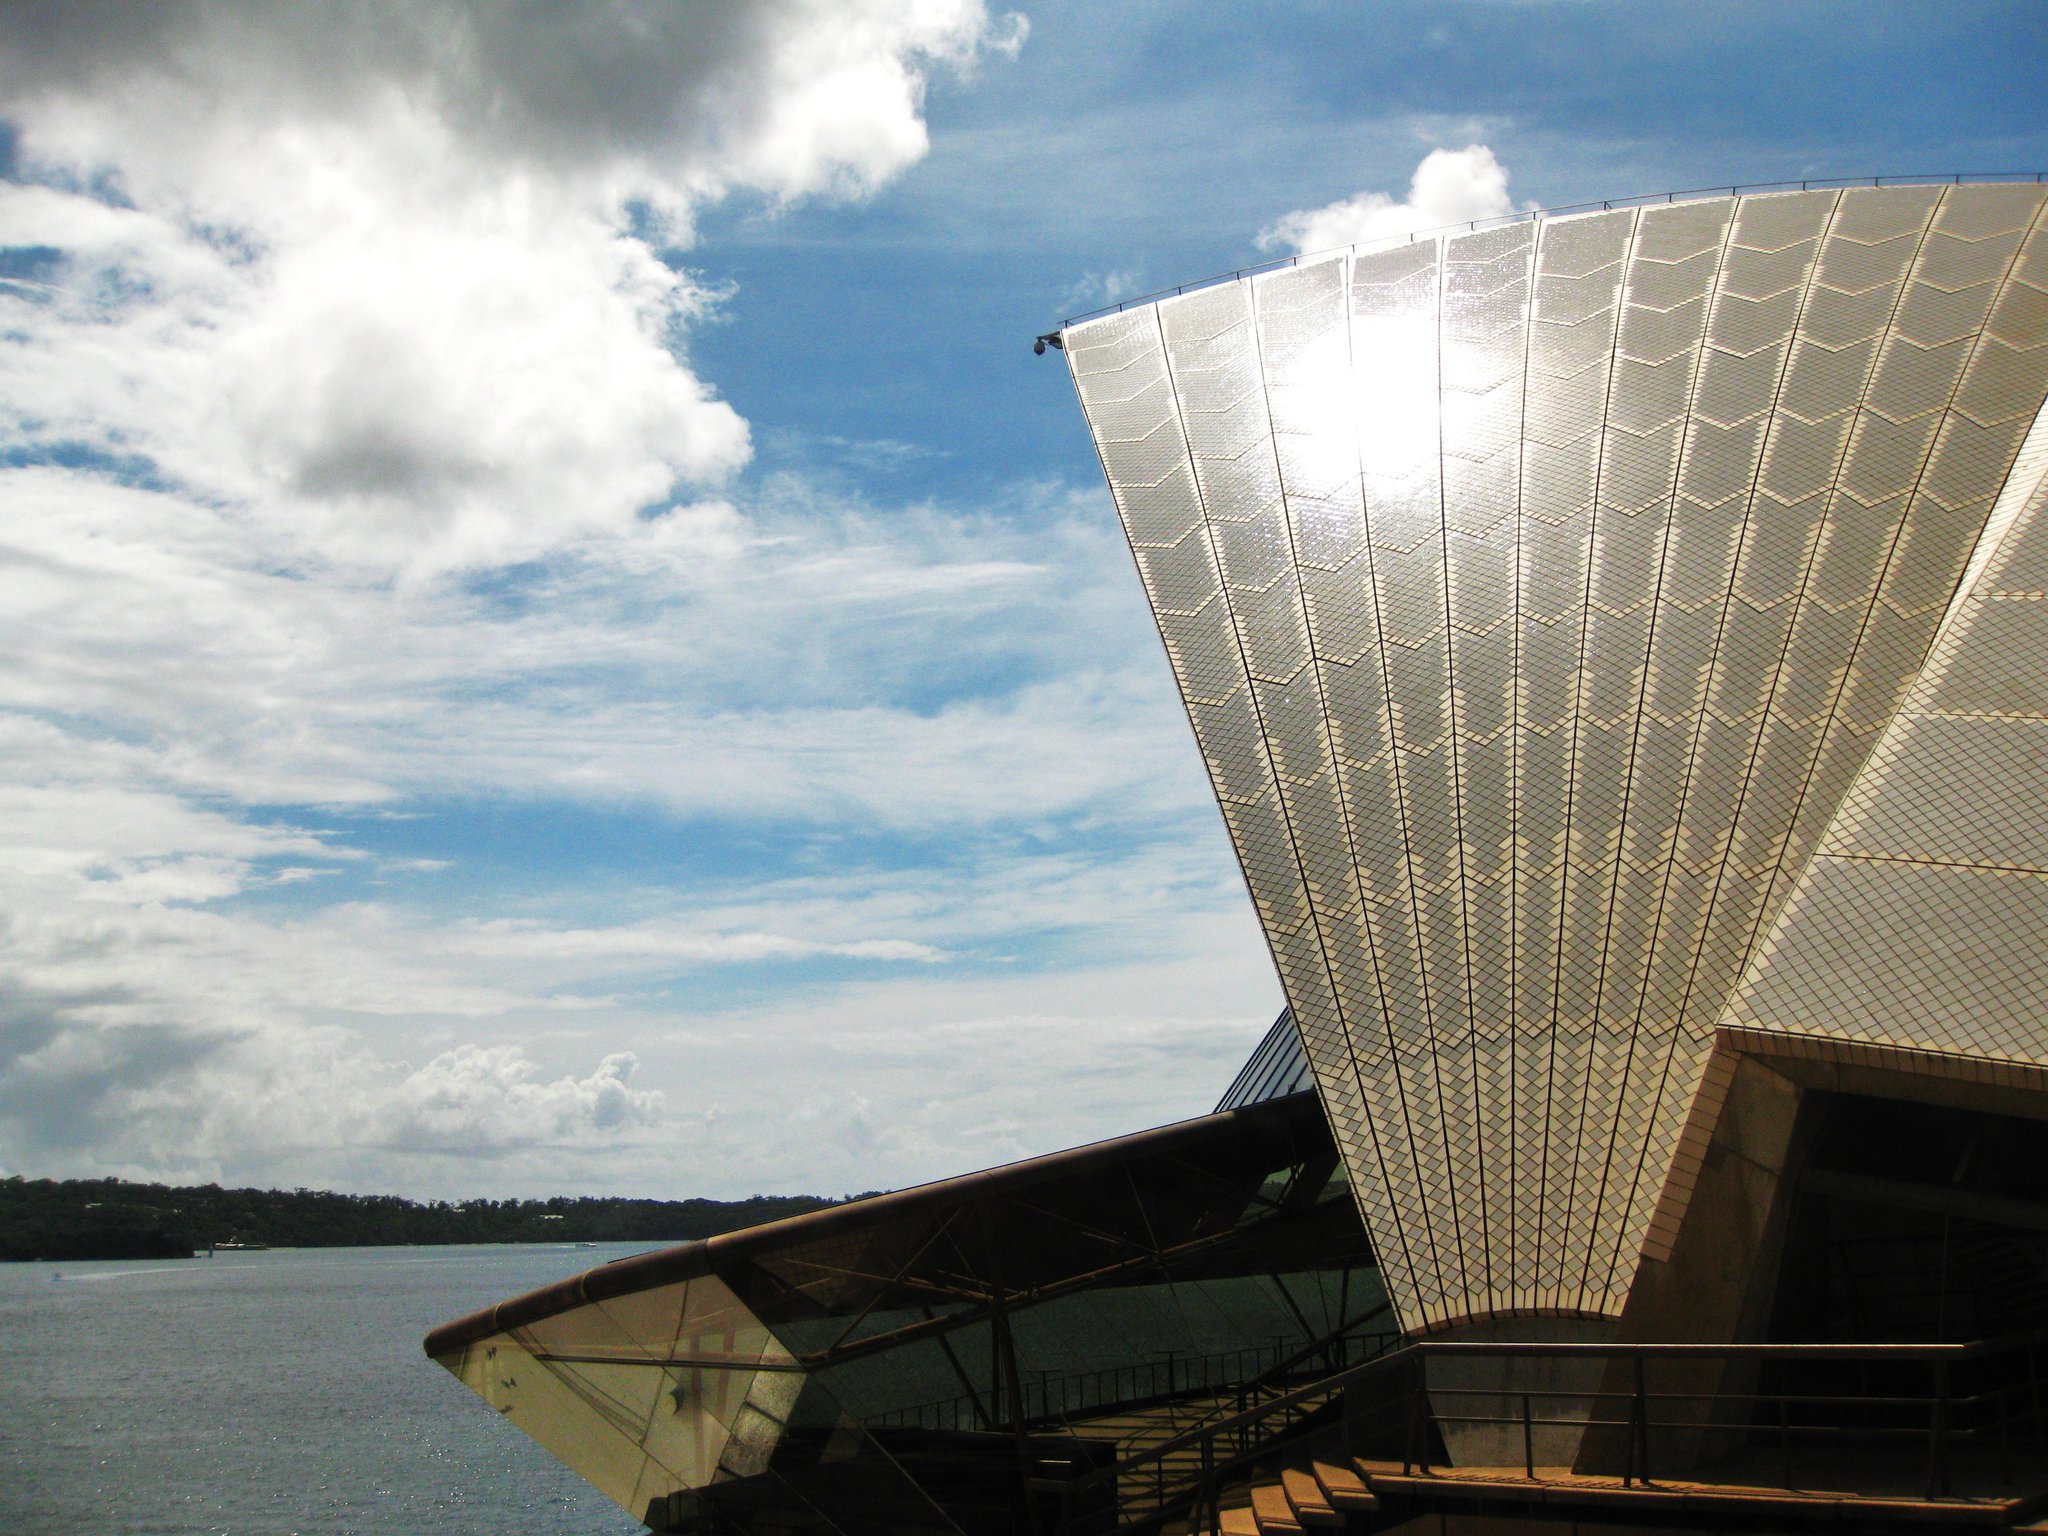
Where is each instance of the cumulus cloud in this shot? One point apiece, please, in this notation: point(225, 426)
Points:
point(401, 282)
point(1450, 186)
point(320, 319)
point(357, 467)
point(189, 1102)
point(477, 1099)
point(793, 97)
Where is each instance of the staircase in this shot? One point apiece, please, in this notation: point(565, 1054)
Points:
point(1137, 1431)
point(1882, 1437)
point(1164, 1480)
point(1326, 1497)
point(1360, 1496)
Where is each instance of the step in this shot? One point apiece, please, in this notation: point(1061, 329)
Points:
point(1240, 1522)
point(1606, 1498)
point(1343, 1488)
point(1274, 1514)
point(1310, 1507)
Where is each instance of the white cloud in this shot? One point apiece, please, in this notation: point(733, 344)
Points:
point(393, 281)
point(477, 1099)
point(1093, 290)
point(197, 1044)
point(789, 97)
point(360, 468)
point(1450, 186)
point(152, 687)
point(196, 1104)
point(672, 942)
point(767, 679)
point(961, 1073)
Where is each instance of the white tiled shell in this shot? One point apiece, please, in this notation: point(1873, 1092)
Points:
point(1537, 595)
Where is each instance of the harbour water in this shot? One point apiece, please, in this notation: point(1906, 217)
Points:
point(280, 1393)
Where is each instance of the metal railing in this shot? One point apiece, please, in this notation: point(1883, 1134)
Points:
point(1639, 200)
point(1881, 1408)
point(1059, 1398)
point(1905, 1399)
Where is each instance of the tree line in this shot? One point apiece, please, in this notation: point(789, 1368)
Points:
point(115, 1219)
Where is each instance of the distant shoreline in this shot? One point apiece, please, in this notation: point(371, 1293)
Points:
point(201, 1254)
point(196, 1253)
point(95, 1219)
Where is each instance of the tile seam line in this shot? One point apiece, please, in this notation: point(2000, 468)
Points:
point(1592, 1215)
point(1394, 765)
point(1251, 693)
point(1711, 307)
point(1749, 522)
point(1948, 412)
point(1253, 319)
point(1870, 375)
point(1443, 516)
point(1572, 771)
point(1394, 760)
point(2023, 871)
point(1517, 741)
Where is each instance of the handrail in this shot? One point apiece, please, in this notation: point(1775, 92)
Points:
point(1422, 1348)
point(1320, 1388)
point(1411, 1359)
point(1181, 1374)
point(1529, 215)
point(1160, 1378)
point(1717, 1351)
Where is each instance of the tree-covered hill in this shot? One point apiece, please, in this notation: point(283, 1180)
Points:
point(114, 1219)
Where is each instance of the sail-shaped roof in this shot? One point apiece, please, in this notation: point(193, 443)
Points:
point(1538, 595)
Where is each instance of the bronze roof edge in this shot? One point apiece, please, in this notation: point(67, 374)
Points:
point(687, 1261)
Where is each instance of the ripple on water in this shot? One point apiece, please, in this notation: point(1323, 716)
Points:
point(262, 1394)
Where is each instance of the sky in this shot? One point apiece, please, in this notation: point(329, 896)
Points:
point(555, 637)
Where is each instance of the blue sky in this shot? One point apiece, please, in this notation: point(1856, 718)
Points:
point(556, 635)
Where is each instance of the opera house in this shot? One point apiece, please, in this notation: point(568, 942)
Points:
point(1619, 646)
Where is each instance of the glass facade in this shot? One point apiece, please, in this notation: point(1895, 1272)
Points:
point(940, 1358)
point(1278, 1066)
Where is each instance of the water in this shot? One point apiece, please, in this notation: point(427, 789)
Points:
point(271, 1394)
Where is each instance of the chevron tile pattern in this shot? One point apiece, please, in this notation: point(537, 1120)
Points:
point(1922, 918)
point(1537, 595)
